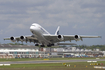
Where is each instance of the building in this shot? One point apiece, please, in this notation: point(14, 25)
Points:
point(27, 51)
point(19, 51)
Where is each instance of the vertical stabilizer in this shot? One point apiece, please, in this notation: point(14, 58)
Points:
point(57, 31)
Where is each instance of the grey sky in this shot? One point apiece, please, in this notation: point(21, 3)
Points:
point(83, 17)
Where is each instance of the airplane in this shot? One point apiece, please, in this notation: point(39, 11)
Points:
point(43, 38)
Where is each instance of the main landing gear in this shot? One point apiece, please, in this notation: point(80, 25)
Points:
point(36, 44)
point(44, 45)
point(40, 45)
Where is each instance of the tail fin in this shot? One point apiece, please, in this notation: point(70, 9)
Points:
point(57, 31)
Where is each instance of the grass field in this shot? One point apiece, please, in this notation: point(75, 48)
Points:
point(52, 66)
point(29, 59)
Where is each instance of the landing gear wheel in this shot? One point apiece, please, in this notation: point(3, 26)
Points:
point(42, 45)
point(36, 44)
point(49, 45)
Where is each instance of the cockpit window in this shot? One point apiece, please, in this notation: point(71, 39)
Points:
point(33, 25)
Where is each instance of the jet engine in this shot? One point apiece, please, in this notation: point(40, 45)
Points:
point(77, 37)
point(60, 37)
point(13, 39)
point(22, 38)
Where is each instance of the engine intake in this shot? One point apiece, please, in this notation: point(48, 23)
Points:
point(22, 38)
point(60, 37)
point(77, 37)
point(12, 39)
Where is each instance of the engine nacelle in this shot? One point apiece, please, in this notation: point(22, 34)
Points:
point(60, 37)
point(13, 39)
point(77, 37)
point(22, 38)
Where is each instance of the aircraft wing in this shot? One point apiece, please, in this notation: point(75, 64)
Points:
point(60, 38)
point(27, 38)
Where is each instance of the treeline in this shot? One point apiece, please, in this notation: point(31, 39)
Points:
point(101, 47)
point(16, 43)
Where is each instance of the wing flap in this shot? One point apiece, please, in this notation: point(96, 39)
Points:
point(66, 44)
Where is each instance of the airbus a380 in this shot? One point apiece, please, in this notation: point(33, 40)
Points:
point(44, 38)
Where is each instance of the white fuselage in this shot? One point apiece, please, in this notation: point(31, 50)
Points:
point(38, 31)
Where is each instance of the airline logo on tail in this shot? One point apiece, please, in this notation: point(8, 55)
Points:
point(57, 31)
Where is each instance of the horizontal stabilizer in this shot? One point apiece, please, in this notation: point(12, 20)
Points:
point(66, 44)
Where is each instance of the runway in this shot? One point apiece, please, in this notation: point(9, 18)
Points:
point(50, 61)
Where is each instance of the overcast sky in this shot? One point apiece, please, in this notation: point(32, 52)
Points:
point(82, 17)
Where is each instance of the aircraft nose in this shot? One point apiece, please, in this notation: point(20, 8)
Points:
point(32, 28)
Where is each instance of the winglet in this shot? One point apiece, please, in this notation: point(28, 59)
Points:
point(57, 31)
